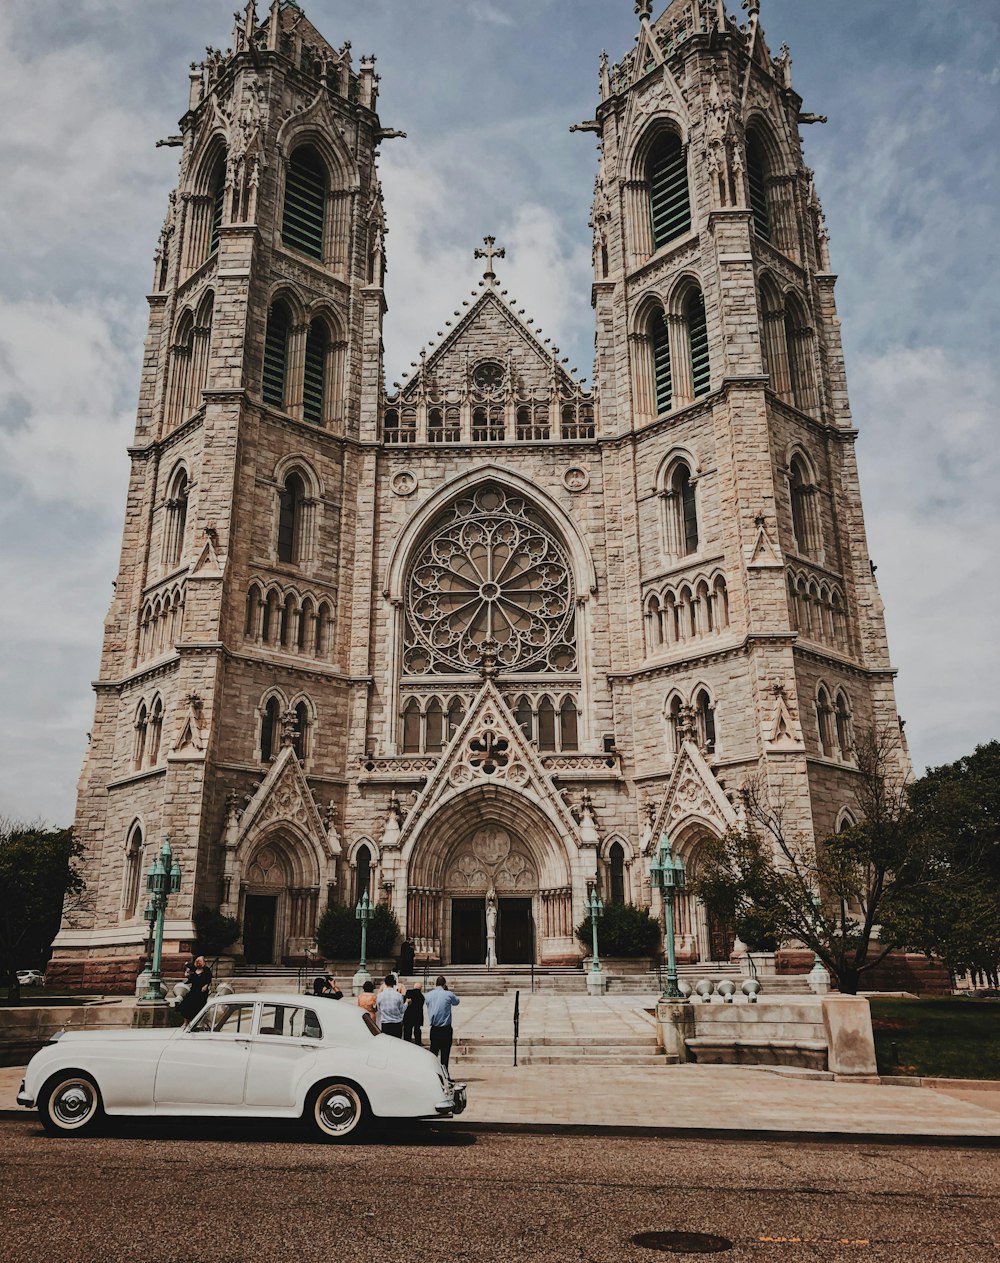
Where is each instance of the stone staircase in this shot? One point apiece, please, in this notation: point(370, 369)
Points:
point(559, 1050)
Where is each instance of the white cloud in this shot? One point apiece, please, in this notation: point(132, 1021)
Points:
point(484, 11)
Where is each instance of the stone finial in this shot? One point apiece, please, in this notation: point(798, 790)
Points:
point(289, 727)
point(644, 9)
point(489, 254)
point(687, 724)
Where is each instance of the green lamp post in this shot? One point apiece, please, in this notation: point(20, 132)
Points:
point(363, 913)
point(594, 906)
point(162, 881)
point(669, 877)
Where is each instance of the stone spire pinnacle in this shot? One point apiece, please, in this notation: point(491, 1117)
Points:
point(644, 8)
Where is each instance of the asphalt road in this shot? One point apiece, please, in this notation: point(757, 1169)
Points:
point(228, 1194)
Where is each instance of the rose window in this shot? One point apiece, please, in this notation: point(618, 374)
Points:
point(490, 581)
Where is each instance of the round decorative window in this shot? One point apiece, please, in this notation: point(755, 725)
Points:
point(491, 579)
point(488, 376)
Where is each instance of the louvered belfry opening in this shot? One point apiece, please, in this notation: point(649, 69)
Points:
point(218, 191)
point(314, 391)
point(669, 199)
point(698, 335)
point(660, 341)
point(757, 180)
point(276, 355)
point(305, 203)
point(290, 519)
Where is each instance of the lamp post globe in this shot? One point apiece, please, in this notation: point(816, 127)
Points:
point(595, 909)
point(669, 876)
point(162, 880)
point(363, 913)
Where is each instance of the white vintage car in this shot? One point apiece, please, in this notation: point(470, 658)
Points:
point(265, 1056)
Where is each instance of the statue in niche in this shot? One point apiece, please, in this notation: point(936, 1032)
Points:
point(491, 926)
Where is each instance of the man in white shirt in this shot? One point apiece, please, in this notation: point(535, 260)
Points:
point(391, 1006)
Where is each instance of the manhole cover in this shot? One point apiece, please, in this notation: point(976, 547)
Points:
point(683, 1242)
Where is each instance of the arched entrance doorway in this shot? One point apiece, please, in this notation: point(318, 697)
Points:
point(489, 883)
point(279, 898)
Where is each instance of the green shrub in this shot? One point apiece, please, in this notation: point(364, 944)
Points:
point(758, 931)
point(338, 934)
point(624, 930)
point(214, 932)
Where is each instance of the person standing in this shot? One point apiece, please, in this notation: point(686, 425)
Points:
point(391, 1008)
point(198, 976)
point(413, 1018)
point(440, 1002)
point(366, 998)
point(406, 954)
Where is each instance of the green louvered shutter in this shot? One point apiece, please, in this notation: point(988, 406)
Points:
point(669, 200)
point(661, 364)
point(305, 203)
point(698, 334)
point(275, 356)
point(757, 179)
point(315, 373)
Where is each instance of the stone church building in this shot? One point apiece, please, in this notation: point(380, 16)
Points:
point(489, 633)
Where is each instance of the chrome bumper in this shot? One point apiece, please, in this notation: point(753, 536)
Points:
point(455, 1105)
point(24, 1099)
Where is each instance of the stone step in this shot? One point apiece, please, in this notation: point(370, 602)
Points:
point(599, 1044)
point(532, 1058)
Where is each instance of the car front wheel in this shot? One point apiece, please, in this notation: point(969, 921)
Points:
point(338, 1110)
point(70, 1105)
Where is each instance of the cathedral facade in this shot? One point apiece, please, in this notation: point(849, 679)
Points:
point(478, 640)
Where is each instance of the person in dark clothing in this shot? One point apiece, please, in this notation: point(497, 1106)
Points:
point(413, 1018)
point(406, 952)
point(198, 976)
point(326, 985)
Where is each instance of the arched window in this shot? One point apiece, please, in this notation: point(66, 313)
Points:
point(669, 198)
point(315, 388)
point(697, 332)
point(305, 628)
point(411, 727)
point(133, 871)
point(287, 623)
point(434, 727)
point(659, 337)
point(270, 722)
point(300, 741)
point(757, 174)
point(802, 493)
point(824, 721)
point(525, 716)
point(845, 735)
point(674, 723)
point(456, 713)
point(363, 877)
point(798, 342)
point(290, 500)
point(568, 725)
point(324, 621)
point(616, 872)
point(705, 719)
point(176, 520)
point(217, 192)
point(141, 726)
point(304, 216)
point(155, 731)
point(546, 724)
point(181, 357)
point(275, 378)
point(252, 620)
point(681, 512)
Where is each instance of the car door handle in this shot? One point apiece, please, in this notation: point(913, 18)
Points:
point(241, 1041)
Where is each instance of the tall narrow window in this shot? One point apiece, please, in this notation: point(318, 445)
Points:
point(801, 493)
point(276, 355)
point(141, 726)
point(269, 723)
point(697, 328)
point(176, 520)
point(218, 195)
point(546, 725)
point(669, 199)
point(660, 343)
point(133, 871)
point(757, 181)
point(300, 741)
point(568, 725)
point(317, 349)
point(684, 511)
point(525, 717)
point(290, 519)
point(616, 872)
point(705, 719)
point(364, 872)
point(824, 721)
point(456, 713)
point(305, 203)
point(674, 724)
point(411, 727)
point(845, 739)
point(434, 727)
point(155, 731)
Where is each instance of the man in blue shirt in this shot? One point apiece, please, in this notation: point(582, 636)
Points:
point(439, 1004)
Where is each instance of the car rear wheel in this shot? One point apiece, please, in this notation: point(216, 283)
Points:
point(70, 1105)
point(338, 1110)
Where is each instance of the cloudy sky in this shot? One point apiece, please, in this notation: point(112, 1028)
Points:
point(486, 90)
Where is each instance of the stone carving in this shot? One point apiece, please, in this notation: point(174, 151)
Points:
point(492, 862)
point(576, 479)
point(491, 845)
point(403, 482)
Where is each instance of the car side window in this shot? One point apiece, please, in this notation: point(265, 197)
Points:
point(227, 1019)
point(289, 1020)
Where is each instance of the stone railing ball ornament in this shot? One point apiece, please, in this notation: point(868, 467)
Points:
point(705, 988)
point(726, 989)
point(751, 989)
point(684, 988)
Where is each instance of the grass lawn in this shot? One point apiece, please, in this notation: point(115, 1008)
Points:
point(954, 1038)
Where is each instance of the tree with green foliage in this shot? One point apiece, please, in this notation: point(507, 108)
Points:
point(623, 930)
point(841, 897)
point(338, 934)
point(38, 874)
point(956, 916)
point(214, 932)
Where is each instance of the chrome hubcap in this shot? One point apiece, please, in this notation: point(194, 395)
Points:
point(73, 1103)
point(338, 1110)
